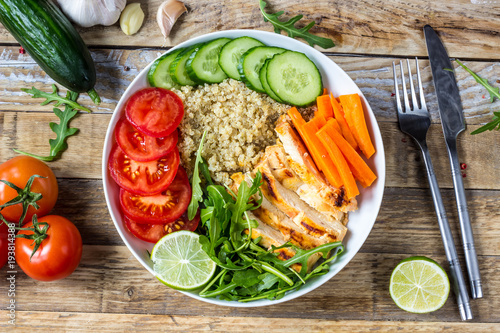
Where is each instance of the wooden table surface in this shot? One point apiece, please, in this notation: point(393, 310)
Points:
point(111, 291)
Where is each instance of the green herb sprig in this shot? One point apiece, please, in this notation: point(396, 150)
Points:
point(494, 93)
point(247, 272)
point(289, 27)
point(54, 97)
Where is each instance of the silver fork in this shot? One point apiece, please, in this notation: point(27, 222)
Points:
point(415, 121)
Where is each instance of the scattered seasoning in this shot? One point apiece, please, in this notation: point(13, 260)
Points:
point(484, 97)
point(463, 166)
point(498, 81)
point(403, 140)
point(126, 68)
point(393, 94)
point(21, 50)
point(464, 175)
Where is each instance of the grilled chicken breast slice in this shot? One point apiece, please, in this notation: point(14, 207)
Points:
point(302, 164)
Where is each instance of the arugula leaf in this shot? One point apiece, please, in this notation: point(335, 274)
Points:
point(54, 97)
point(197, 192)
point(301, 256)
point(62, 130)
point(493, 124)
point(494, 92)
point(289, 27)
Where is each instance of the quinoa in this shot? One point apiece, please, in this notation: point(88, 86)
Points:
point(239, 123)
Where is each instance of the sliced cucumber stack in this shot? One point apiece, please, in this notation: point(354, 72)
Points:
point(294, 78)
point(178, 70)
point(203, 64)
point(159, 73)
point(231, 53)
point(251, 62)
point(265, 84)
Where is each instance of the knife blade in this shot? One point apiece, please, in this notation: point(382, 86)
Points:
point(452, 121)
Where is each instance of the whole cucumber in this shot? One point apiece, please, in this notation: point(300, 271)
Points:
point(52, 41)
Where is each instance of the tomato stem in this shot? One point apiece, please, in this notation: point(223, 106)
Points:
point(38, 235)
point(24, 196)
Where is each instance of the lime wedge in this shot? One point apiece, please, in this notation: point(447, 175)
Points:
point(419, 285)
point(180, 262)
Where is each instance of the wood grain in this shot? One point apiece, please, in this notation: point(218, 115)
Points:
point(110, 280)
point(374, 77)
point(469, 29)
point(105, 322)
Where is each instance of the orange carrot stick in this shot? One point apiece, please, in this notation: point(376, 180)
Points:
point(324, 106)
point(335, 125)
point(339, 115)
point(358, 166)
point(318, 119)
point(338, 159)
point(297, 119)
point(325, 91)
point(355, 117)
point(320, 154)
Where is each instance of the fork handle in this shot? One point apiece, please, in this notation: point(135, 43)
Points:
point(465, 225)
point(457, 278)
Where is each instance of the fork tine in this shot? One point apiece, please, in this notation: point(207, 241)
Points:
point(420, 88)
point(396, 89)
point(405, 93)
point(412, 88)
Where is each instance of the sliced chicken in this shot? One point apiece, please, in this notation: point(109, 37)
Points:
point(300, 161)
point(310, 220)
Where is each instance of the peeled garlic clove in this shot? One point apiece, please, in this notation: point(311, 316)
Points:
point(168, 13)
point(131, 18)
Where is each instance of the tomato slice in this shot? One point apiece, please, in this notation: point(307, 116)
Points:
point(146, 178)
point(161, 208)
point(141, 147)
point(154, 232)
point(155, 111)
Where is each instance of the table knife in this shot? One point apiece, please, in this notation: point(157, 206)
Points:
point(452, 120)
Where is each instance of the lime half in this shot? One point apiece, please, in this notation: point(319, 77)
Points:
point(419, 285)
point(180, 262)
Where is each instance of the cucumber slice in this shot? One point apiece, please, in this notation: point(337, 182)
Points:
point(265, 84)
point(251, 62)
point(178, 70)
point(231, 53)
point(203, 64)
point(294, 78)
point(159, 73)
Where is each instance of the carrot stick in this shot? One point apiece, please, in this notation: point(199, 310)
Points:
point(340, 162)
point(355, 117)
point(297, 119)
point(339, 115)
point(358, 166)
point(335, 125)
point(320, 154)
point(318, 119)
point(325, 91)
point(324, 106)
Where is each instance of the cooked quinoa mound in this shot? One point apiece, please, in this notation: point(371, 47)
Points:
point(239, 123)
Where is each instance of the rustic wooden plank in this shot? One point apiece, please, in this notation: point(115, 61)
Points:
point(373, 76)
point(105, 322)
point(110, 280)
point(29, 131)
point(405, 214)
point(361, 27)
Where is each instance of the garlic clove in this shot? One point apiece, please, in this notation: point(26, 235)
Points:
point(88, 13)
point(132, 18)
point(168, 13)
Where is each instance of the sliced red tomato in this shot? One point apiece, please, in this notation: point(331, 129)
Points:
point(160, 208)
point(142, 147)
point(146, 178)
point(154, 232)
point(155, 111)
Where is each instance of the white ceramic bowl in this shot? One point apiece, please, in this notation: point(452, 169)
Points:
point(336, 81)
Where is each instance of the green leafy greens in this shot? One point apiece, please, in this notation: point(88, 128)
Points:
point(494, 92)
point(246, 271)
point(289, 27)
point(54, 97)
point(62, 130)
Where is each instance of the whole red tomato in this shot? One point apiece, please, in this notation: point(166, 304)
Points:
point(18, 171)
point(58, 254)
point(4, 244)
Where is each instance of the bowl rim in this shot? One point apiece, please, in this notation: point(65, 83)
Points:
point(293, 44)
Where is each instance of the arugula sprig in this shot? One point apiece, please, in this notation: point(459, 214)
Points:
point(54, 97)
point(246, 271)
point(494, 92)
point(62, 130)
point(289, 27)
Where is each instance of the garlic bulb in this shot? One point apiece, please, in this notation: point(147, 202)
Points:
point(88, 13)
point(168, 12)
point(132, 18)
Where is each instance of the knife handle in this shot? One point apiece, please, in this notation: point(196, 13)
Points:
point(457, 279)
point(465, 225)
